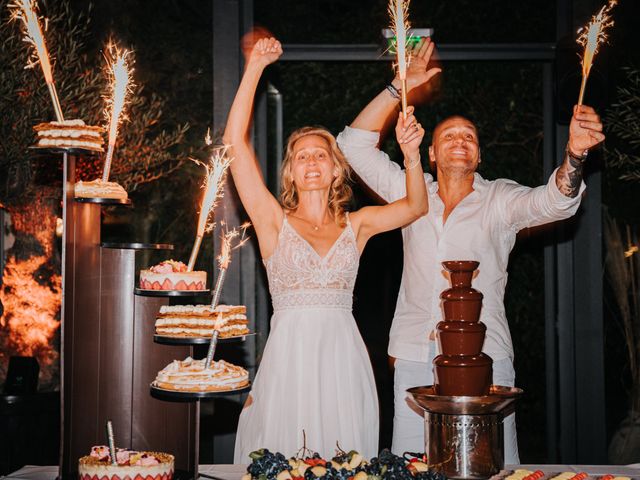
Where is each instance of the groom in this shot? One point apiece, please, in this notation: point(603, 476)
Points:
point(469, 218)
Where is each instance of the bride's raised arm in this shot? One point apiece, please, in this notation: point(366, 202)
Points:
point(263, 208)
point(372, 220)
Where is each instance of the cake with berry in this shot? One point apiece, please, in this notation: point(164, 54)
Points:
point(69, 134)
point(201, 320)
point(190, 375)
point(172, 275)
point(131, 465)
point(99, 189)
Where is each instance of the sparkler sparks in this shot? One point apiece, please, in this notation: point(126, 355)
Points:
point(120, 85)
point(214, 181)
point(590, 37)
point(399, 14)
point(227, 246)
point(26, 12)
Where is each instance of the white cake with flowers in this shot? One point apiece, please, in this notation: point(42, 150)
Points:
point(131, 465)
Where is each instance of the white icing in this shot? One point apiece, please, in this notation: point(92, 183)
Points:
point(197, 308)
point(51, 142)
point(196, 321)
point(68, 133)
point(189, 373)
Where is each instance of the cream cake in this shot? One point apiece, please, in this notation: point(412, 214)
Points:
point(172, 275)
point(99, 189)
point(69, 134)
point(131, 465)
point(189, 375)
point(201, 320)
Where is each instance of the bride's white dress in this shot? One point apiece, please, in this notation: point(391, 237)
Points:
point(315, 374)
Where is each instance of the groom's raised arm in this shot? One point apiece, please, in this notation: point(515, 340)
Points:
point(359, 141)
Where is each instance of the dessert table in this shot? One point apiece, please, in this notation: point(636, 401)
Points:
point(235, 472)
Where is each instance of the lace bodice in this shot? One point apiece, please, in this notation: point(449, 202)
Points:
point(299, 277)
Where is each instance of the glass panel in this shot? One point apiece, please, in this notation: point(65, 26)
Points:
point(345, 21)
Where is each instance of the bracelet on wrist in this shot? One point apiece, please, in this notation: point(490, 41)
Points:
point(411, 163)
point(395, 93)
point(580, 158)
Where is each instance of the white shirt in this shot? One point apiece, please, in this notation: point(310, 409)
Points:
point(481, 227)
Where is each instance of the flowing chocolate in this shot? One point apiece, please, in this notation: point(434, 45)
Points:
point(462, 369)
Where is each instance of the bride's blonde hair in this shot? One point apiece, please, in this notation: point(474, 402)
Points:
point(340, 192)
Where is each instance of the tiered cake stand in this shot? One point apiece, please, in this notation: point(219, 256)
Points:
point(108, 356)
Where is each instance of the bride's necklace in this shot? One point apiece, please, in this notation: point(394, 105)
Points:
point(315, 227)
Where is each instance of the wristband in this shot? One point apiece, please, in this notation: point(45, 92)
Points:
point(395, 93)
point(580, 158)
point(412, 163)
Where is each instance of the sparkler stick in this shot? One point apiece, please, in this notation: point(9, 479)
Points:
point(398, 11)
point(119, 72)
point(112, 443)
point(590, 37)
point(223, 264)
point(25, 11)
point(216, 171)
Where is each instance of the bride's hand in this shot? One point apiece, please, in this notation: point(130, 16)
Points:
point(265, 52)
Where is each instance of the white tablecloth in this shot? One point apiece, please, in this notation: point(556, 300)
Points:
point(234, 472)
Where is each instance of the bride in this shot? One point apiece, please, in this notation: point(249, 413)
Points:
point(315, 374)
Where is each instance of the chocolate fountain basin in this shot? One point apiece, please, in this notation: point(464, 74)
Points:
point(464, 436)
point(498, 399)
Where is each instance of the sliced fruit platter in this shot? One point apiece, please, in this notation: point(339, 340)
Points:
point(351, 465)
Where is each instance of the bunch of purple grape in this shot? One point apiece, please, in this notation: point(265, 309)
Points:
point(266, 465)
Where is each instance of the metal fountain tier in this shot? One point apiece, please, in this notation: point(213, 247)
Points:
point(464, 436)
point(498, 400)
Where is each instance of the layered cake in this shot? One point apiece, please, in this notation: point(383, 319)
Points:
point(172, 275)
point(201, 320)
point(69, 134)
point(190, 375)
point(99, 189)
point(131, 465)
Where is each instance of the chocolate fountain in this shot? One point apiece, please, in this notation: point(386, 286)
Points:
point(463, 412)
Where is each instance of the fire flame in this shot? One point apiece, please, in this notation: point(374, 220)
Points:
point(30, 308)
point(120, 85)
point(26, 12)
point(399, 14)
point(227, 246)
point(31, 294)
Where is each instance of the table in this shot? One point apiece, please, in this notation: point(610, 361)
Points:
point(235, 472)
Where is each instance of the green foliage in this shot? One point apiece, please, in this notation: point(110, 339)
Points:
point(145, 151)
point(623, 127)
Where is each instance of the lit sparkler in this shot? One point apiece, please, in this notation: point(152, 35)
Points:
point(227, 238)
point(120, 84)
point(590, 37)
point(216, 172)
point(399, 13)
point(26, 12)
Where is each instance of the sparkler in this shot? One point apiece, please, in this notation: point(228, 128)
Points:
point(119, 72)
point(216, 172)
point(399, 13)
point(224, 260)
point(590, 37)
point(112, 443)
point(26, 12)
